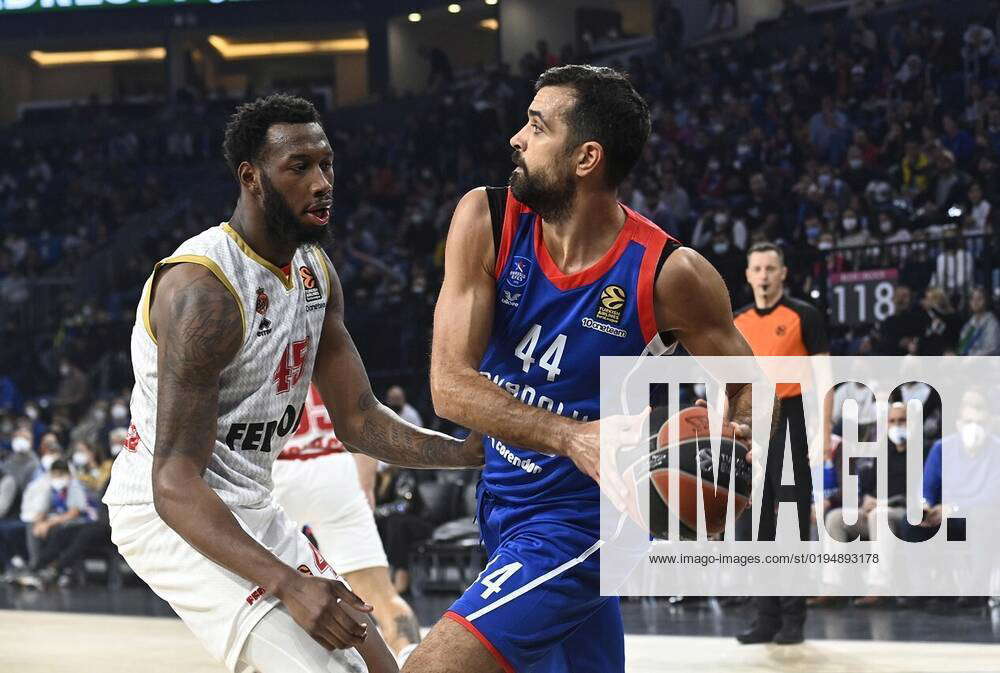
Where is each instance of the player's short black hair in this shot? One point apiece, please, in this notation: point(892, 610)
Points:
point(608, 110)
point(59, 465)
point(767, 246)
point(246, 132)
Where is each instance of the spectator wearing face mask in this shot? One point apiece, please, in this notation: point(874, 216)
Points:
point(51, 501)
point(16, 472)
point(852, 231)
point(973, 458)
point(93, 467)
point(981, 333)
point(119, 413)
point(856, 174)
point(49, 451)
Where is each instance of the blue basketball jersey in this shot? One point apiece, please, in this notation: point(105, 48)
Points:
point(550, 330)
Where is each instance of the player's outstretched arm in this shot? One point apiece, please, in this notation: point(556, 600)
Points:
point(363, 423)
point(692, 301)
point(199, 331)
point(463, 320)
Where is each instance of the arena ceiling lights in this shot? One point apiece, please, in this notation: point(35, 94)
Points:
point(48, 59)
point(237, 50)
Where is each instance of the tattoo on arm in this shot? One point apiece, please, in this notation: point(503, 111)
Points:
point(199, 334)
point(389, 438)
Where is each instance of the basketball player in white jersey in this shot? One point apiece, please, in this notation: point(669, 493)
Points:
point(229, 332)
point(318, 483)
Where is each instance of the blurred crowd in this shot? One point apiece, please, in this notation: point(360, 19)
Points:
point(872, 142)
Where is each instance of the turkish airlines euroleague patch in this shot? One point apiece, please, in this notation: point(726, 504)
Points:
point(313, 293)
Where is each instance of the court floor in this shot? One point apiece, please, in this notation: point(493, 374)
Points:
point(53, 642)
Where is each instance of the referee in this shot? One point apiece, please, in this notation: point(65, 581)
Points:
point(776, 324)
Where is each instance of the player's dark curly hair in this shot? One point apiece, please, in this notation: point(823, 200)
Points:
point(607, 110)
point(246, 132)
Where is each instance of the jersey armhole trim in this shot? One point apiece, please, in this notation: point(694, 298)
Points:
point(189, 259)
point(511, 214)
point(652, 262)
point(496, 197)
point(324, 264)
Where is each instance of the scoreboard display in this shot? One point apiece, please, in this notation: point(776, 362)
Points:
point(858, 297)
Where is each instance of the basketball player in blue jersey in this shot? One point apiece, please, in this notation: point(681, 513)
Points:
point(542, 279)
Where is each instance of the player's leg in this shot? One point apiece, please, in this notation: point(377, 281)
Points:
point(539, 586)
point(350, 542)
point(393, 615)
point(278, 645)
point(598, 646)
point(451, 648)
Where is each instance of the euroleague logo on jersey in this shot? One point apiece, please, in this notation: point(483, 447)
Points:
point(313, 293)
point(519, 269)
point(612, 302)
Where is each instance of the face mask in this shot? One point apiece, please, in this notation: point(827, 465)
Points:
point(850, 223)
point(825, 245)
point(855, 163)
point(119, 411)
point(812, 232)
point(64, 370)
point(713, 165)
point(743, 150)
point(60, 483)
point(721, 218)
point(99, 415)
point(31, 412)
point(938, 34)
point(720, 248)
point(20, 444)
point(47, 461)
point(80, 459)
point(885, 226)
point(973, 435)
point(897, 434)
point(824, 180)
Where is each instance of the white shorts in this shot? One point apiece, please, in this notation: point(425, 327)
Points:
point(325, 493)
point(218, 606)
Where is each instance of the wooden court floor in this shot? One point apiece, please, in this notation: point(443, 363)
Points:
point(54, 642)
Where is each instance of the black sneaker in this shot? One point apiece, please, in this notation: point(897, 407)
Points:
point(758, 634)
point(789, 635)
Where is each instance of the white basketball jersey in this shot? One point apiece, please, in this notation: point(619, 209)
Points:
point(314, 436)
point(261, 392)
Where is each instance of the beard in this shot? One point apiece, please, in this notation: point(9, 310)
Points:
point(282, 224)
point(546, 191)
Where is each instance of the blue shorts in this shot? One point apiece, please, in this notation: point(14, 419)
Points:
point(537, 605)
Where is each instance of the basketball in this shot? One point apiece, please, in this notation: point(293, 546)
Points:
point(694, 448)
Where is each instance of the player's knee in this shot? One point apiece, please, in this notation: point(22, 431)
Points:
point(450, 648)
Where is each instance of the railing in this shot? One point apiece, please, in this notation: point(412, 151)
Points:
point(954, 264)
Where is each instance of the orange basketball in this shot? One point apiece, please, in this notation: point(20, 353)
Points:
point(694, 448)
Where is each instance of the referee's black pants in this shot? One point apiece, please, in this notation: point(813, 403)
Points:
point(773, 612)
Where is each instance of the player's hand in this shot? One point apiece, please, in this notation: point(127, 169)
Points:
point(620, 433)
point(326, 610)
point(741, 431)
